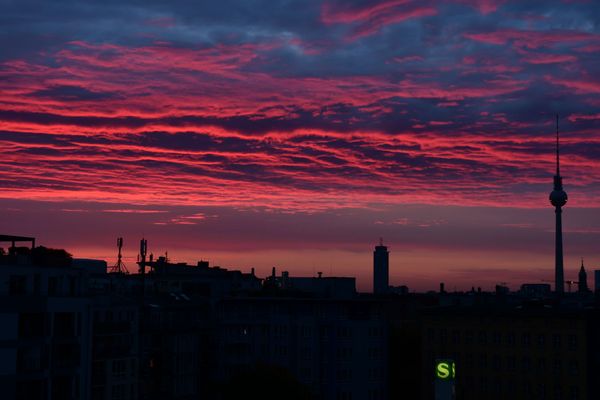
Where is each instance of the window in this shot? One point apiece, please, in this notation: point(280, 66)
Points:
point(343, 395)
point(574, 393)
point(443, 336)
point(119, 368)
point(510, 339)
point(483, 384)
point(52, 286)
point(497, 338)
point(557, 366)
point(541, 365)
point(496, 363)
point(344, 332)
point(541, 340)
point(558, 391)
point(64, 324)
point(31, 389)
point(482, 337)
point(511, 387)
point(17, 285)
point(72, 285)
point(497, 386)
point(430, 335)
point(344, 374)
point(469, 360)
point(572, 342)
point(455, 337)
point(306, 331)
point(375, 374)
point(375, 332)
point(119, 392)
point(32, 325)
point(541, 391)
point(62, 387)
point(526, 364)
point(375, 353)
point(573, 368)
point(469, 337)
point(306, 353)
point(556, 341)
point(37, 284)
point(511, 363)
point(281, 351)
point(375, 394)
point(483, 361)
point(306, 373)
point(344, 353)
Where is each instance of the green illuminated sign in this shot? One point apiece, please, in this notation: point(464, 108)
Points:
point(445, 370)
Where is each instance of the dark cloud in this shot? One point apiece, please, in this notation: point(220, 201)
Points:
point(71, 93)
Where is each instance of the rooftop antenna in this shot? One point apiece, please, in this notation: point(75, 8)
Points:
point(143, 252)
point(119, 267)
point(381, 241)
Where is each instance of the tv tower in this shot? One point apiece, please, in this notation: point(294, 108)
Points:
point(119, 267)
point(558, 198)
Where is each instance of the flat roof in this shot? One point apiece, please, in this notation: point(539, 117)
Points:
point(12, 238)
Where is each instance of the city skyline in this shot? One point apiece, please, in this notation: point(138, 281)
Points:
point(257, 135)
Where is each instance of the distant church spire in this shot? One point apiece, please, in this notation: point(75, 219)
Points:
point(558, 198)
point(583, 287)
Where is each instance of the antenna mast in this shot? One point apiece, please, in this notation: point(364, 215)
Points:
point(557, 146)
point(119, 267)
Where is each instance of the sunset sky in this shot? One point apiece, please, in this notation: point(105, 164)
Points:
point(260, 133)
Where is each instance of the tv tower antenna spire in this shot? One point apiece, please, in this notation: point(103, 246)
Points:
point(558, 199)
point(119, 267)
point(557, 150)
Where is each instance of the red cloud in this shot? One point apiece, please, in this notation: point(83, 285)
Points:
point(371, 18)
point(484, 6)
point(579, 85)
point(541, 58)
point(532, 39)
point(109, 122)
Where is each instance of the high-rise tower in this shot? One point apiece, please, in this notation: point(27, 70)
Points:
point(381, 261)
point(558, 198)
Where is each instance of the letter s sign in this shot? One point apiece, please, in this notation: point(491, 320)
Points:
point(445, 369)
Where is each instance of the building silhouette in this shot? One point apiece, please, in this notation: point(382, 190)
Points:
point(502, 352)
point(381, 262)
point(71, 329)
